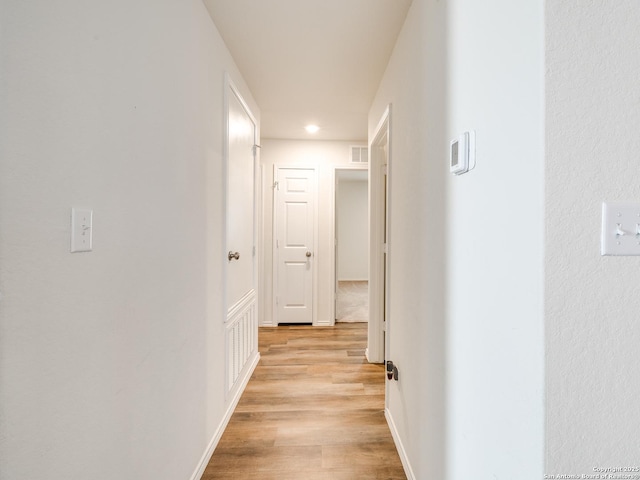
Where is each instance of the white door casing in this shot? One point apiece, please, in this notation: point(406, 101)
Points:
point(380, 244)
point(294, 244)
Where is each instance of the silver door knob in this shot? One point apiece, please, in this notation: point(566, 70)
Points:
point(233, 255)
point(308, 254)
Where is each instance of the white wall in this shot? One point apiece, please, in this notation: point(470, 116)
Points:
point(352, 212)
point(592, 302)
point(112, 362)
point(324, 156)
point(466, 296)
point(414, 84)
point(495, 297)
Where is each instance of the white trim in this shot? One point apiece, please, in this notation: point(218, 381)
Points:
point(402, 453)
point(225, 192)
point(379, 272)
point(206, 456)
point(324, 323)
point(274, 257)
point(241, 322)
point(357, 167)
point(246, 300)
point(261, 280)
point(316, 245)
point(384, 119)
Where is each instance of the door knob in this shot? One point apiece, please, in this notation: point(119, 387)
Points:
point(308, 254)
point(233, 255)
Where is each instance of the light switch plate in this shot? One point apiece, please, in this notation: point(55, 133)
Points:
point(81, 230)
point(620, 229)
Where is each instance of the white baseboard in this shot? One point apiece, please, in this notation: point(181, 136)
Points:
point(408, 471)
point(206, 456)
point(324, 323)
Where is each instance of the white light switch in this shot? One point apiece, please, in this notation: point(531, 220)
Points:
point(620, 229)
point(81, 230)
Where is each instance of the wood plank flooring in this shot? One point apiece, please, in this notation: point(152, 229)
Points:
point(313, 410)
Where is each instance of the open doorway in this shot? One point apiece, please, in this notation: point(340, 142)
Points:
point(351, 218)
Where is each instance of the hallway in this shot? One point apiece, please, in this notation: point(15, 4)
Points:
point(313, 410)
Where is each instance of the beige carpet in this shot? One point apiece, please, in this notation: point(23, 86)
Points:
point(352, 303)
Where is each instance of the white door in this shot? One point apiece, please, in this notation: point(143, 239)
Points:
point(240, 202)
point(294, 254)
point(241, 295)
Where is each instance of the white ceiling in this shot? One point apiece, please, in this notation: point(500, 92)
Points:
point(311, 61)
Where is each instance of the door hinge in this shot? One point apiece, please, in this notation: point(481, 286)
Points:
point(277, 300)
point(385, 248)
point(276, 185)
point(254, 251)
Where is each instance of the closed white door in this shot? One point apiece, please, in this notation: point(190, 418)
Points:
point(240, 253)
point(294, 253)
point(241, 295)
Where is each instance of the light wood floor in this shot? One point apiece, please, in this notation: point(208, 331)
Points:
point(313, 410)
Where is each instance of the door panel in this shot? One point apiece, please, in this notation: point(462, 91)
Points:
point(294, 245)
point(241, 295)
point(296, 214)
point(240, 202)
point(294, 283)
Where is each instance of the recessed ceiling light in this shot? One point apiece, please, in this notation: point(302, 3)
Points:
point(312, 128)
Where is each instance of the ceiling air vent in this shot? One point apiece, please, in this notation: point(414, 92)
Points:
point(359, 154)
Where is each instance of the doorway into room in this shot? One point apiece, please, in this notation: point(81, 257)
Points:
point(351, 217)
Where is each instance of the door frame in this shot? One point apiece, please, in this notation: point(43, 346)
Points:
point(334, 230)
point(379, 228)
point(274, 250)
